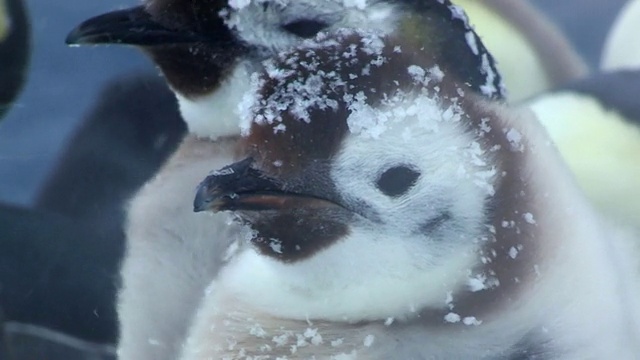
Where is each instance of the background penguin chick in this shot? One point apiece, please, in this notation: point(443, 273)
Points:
point(521, 37)
point(59, 262)
point(15, 50)
point(595, 123)
point(208, 79)
point(622, 49)
point(490, 251)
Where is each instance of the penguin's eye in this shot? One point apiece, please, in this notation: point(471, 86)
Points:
point(397, 180)
point(305, 28)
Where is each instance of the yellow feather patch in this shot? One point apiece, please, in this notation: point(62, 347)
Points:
point(600, 147)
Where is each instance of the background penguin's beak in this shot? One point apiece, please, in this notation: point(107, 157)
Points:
point(133, 26)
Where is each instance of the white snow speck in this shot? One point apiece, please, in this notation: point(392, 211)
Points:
point(471, 41)
point(514, 136)
point(275, 245)
point(484, 125)
point(488, 88)
point(368, 340)
point(477, 283)
point(452, 318)
point(528, 217)
point(417, 73)
point(436, 73)
point(337, 342)
point(281, 340)
point(513, 252)
point(389, 321)
point(449, 298)
point(471, 320)
point(257, 331)
point(316, 339)
point(482, 282)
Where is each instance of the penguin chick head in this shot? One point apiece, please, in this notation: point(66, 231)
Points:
point(207, 49)
point(369, 166)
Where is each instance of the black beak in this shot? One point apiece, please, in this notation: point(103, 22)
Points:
point(132, 26)
point(241, 187)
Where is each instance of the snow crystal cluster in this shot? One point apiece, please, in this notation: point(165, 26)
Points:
point(301, 85)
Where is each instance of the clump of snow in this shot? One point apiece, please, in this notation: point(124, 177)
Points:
point(389, 321)
point(417, 73)
point(471, 320)
point(373, 45)
point(275, 245)
point(482, 282)
point(489, 88)
point(484, 125)
point(449, 299)
point(513, 252)
point(368, 340)
point(312, 334)
point(452, 318)
point(477, 283)
point(515, 139)
point(471, 41)
point(337, 342)
point(281, 340)
point(424, 77)
point(257, 331)
point(528, 217)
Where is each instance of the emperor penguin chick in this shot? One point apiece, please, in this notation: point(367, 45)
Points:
point(392, 213)
point(173, 254)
